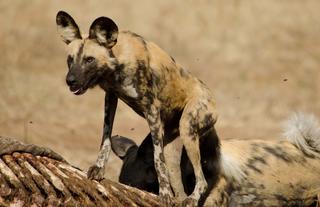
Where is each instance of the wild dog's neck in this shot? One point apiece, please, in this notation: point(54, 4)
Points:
point(129, 49)
point(129, 52)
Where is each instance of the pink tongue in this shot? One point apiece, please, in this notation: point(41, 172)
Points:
point(76, 91)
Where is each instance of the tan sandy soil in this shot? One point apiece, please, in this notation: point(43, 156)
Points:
point(260, 58)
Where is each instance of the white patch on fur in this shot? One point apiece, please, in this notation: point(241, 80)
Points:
point(164, 191)
point(230, 167)
point(157, 151)
point(67, 33)
point(303, 130)
point(130, 91)
point(104, 153)
point(129, 88)
point(101, 36)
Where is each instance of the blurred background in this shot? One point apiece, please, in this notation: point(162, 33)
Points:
point(260, 58)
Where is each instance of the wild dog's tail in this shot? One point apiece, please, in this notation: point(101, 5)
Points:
point(303, 130)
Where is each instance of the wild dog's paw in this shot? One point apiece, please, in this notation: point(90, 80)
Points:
point(189, 202)
point(166, 198)
point(96, 173)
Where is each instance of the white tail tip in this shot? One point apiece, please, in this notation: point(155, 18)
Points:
point(303, 130)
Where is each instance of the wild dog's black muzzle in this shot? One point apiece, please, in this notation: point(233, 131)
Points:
point(71, 79)
point(74, 83)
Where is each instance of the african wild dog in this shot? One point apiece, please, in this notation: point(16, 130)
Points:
point(174, 103)
point(253, 172)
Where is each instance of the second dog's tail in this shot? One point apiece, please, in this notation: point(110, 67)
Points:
point(303, 130)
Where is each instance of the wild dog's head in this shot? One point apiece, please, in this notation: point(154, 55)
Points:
point(138, 167)
point(89, 58)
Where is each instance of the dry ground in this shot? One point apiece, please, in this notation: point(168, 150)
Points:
point(261, 59)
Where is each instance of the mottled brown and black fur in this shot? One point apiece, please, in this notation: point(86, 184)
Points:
point(126, 66)
point(254, 173)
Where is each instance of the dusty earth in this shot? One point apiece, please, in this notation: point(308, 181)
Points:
point(260, 58)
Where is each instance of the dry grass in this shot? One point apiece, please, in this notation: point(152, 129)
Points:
point(261, 59)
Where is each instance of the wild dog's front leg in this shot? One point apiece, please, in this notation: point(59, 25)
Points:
point(156, 129)
point(96, 171)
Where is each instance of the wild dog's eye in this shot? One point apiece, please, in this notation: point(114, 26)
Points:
point(88, 60)
point(69, 60)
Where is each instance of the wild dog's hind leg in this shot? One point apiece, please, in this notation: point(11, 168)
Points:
point(197, 118)
point(96, 171)
point(156, 129)
point(172, 155)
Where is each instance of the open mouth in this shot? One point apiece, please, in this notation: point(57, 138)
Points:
point(78, 91)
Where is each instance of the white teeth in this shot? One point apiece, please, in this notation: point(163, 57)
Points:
point(76, 91)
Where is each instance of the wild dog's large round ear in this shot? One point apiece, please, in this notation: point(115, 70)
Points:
point(120, 145)
point(105, 31)
point(67, 27)
point(145, 150)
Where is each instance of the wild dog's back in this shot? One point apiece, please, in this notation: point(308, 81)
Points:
point(270, 172)
point(275, 172)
